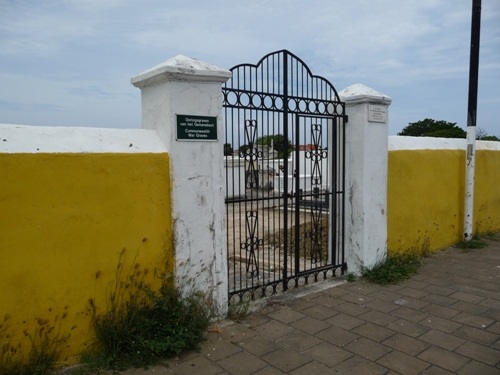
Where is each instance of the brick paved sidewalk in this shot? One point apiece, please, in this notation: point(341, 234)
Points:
point(444, 320)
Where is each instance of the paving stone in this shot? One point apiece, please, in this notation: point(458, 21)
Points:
point(357, 298)
point(385, 295)
point(382, 306)
point(359, 365)
point(409, 314)
point(492, 314)
point(310, 325)
point(255, 319)
point(219, 349)
point(469, 307)
point(373, 332)
point(479, 353)
point(320, 312)
point(197, 366)
point(411, 303)
point(298, 341)
point(443, 358)
point(403, 363)
point(489, 286)
point(485, 293)
point(441, 339)
point(435, 279)
point(408, 328)
point(441, 311)
point(491, 303)
point(477, 335)
point(439, 299)
point(286, 360)
point(473, 320)
point(495, 328)
point(286, 315)
point(362, 287)
point(478, 368)
point(406, 344)
point(350, 308)
point(327, 300)
point(269, 370)
point(327, 354)
point(337, 336)
point(273, 329)
point(237, 332)
point(299, 304)
point(496, 345)
point(242, 363)
point(312, 368)
point(414, 293)
point(377, 317)
point(337, 291)
point(415, 284)
point(440, 324)
point(467, 297)
point(345, 321)
point(391, 287)
point(434, 370)
point(259, 345)
point(368, 349)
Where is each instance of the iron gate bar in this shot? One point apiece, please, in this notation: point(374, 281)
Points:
point(269, 99)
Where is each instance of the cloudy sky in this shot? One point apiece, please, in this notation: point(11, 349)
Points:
point(69, 62)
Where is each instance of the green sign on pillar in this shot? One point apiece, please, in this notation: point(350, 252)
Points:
point(196, 128)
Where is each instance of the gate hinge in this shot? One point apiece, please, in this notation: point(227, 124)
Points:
point(346, 119)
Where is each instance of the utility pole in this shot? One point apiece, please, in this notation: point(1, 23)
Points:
point(471, 119)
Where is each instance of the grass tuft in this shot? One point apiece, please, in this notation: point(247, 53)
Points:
point(474, 243)
point(396, 268)
point(143, 330)
point(141, 325)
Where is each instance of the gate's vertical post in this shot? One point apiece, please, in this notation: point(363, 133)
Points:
point(185, 86)
point(366, 176)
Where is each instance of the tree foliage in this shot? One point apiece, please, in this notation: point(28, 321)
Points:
point(228, 149)
point(482, 135)
point(442, 129)
point(280, 144)
point(433, 128)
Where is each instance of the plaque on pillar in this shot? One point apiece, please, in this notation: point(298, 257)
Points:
point(196, 128)
point(377, 113)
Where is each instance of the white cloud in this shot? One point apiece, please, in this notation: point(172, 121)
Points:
point(74, 49)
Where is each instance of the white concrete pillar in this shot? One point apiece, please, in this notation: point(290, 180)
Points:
point(175, 95)
point(366, 176)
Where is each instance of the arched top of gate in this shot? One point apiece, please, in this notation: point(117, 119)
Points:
point(281, 77)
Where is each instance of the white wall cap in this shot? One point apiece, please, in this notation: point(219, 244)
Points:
point(181, 68)
point(52, 139)
point(359, 93)
point(430, 143)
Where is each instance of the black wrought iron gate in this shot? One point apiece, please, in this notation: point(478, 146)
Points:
point(285, 185)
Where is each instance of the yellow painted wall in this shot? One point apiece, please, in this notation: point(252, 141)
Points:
point(426, 197)
point(64, 220)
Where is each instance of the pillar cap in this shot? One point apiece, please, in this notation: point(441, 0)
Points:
point(359, 93)
point(181, 68)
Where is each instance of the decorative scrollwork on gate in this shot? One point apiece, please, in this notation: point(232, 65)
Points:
point(251, 154)
point(252, 243)
point(315, 236)
point(317, 154)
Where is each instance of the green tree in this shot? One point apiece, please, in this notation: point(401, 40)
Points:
point(243, 150)
point(280, 144)
point(228, 149)
point(433, 128)
point(490, 138)
point(482, 135)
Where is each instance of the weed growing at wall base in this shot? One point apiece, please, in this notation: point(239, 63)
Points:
point(140, 326)
point(394, 269)
point(43, 349)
